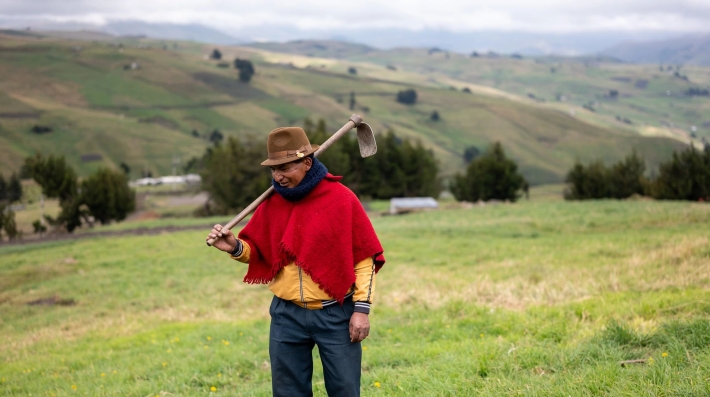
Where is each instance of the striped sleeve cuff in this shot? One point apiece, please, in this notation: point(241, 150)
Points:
point(362, 307)
point(238, 249)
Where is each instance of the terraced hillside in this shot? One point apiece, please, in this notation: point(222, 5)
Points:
point(146, 103)
point(652, 99)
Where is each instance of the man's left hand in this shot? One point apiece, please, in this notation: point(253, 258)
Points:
point(359, 327)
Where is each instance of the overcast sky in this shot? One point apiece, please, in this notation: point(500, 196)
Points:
point(541, 16)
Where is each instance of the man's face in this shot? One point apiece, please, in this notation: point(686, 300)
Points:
point(289, 175)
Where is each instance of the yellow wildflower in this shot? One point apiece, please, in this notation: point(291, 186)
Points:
point(213, 388)
point(103, 374)
point(377, 384)
point(114, 372)
point(241, 334)
point(73, 387)
point(664, 354)
point(389, 330)
point(209, 338)
point(650, 360)
point(206, 347)
point(165, 364)
point(364, 348)
point(482, 335)
point(219, 375)
point(169, 351)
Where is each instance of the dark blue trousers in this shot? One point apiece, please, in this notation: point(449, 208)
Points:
point(294, 332)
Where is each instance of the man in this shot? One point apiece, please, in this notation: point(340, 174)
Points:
point(313, 243)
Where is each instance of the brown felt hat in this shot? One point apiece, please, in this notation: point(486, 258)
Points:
point(288, 144)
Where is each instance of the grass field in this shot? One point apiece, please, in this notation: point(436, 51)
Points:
point(540, 298)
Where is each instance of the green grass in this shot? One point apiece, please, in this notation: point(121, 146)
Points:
point(540, 298)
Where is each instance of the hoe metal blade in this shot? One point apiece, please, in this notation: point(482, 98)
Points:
point(366, 140)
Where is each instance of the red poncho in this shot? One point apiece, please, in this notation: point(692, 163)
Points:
point(326, 234)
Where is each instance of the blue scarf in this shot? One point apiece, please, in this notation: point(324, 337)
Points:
point(309, 182)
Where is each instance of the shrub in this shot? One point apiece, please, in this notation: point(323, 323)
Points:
point(434, 116)
point(470, 153)
point(216, 54)
point(407, 97)
point(41, 129)
point(352, 70)
point(685, 177)
point(491, 176)
point(246, 69)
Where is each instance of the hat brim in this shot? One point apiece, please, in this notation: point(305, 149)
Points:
point(284, 160)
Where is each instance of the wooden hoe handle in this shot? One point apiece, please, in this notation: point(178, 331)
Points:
point(354, 121)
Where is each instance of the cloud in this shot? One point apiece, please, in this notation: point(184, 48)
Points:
point(552, 16)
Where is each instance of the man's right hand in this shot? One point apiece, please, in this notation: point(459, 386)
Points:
point(224, 238)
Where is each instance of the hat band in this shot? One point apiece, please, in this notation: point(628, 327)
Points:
point(290, 153)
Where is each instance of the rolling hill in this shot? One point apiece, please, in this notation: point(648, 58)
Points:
point(686, 50)
point(151, 103)
point(648, 99)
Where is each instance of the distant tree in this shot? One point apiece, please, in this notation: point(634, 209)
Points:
point(107, 195)
point(232, 175)
point(589, 182)
point(401, 168)
point(352, 100)
point(466, 90)
point(338, 157)
point(216, 137)
point(613, 94)
point(491, 176)
point(352, 70)
point(474, 54)
point(246, 69)
point(407, 97)
point(14, 189)
point(216, 54)
point(192, 165)
point(470, 153)
point(434, 116)
point(684, 177)
point(195, 134)
point(126, 169)
point(54, 175)
point(626, 177)
point(694, 91)
point(8, 223)
point(3, 189)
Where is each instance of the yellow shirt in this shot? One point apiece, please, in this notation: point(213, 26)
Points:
point(293, 284)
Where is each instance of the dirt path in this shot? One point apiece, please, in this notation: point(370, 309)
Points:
point(130, 232)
